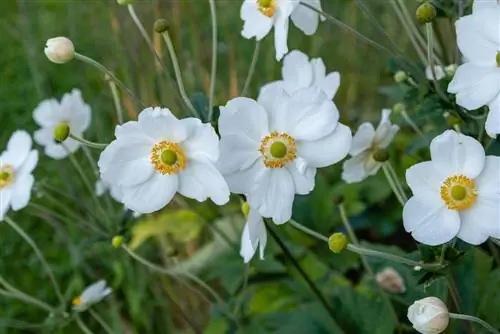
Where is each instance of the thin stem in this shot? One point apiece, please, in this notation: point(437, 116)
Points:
point(91, 160)
point(412, 124)
point(213, 75)
point(178, 74)
point(116, 101)
point(396, 181)
point(27, 299)
point(471, 318)
point(308, 231)
point(144, 33)
point(393, 185)
point(430, 53)
point(301, 271)
point(251, 70)
point(101, 321)
point(40, 256)
point(82, 325)
point(110, 74)
point(88, 143)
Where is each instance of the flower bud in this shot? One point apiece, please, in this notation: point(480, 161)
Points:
point(337, 242)
point(59, 50)
point(380, 155)
point(400, 77)
point(398, 108)
point(426, 12)
point(390, 280)
point(125, 2)
point(429, 315)
point(117, 241)
point(161, 25)
point(245, 209)
point(61, 132)
point(450, 70)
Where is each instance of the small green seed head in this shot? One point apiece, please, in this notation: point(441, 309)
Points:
point(278, 150)
point(168, 157)
point(458, 193)
point(398, 108)
point(380, 155)
point(245, 209)
point(117, 241)
point(337, 242)
point(498, 58)
point(125, 2)
point(426, 12)
point(161, 25)
point(264, 3)
point(61, 132)
point(4, 176)
point(400, 77)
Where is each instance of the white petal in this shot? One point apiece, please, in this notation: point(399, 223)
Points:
point(268, 93)
point(353, 170)
point(457, 154)
point(487, 6)
point(297, 72)
point(436, 72)
point(5, 196)
point(331, 84)
point(327, 150)
point(152, 195)
point(61, 151)
point(18, 148)
point(160, 124)
point(478, 37)
point(386, 131)
point(304, 181)
point(77, 112)
point(21, 192)
point(202, 140)
point(429, 222)
point(255, 23)
point(132, 129)
point(475, 85)
point(237, 152)
point(29, 164)
point(481, 220)
point(243, 116)
point(46, 113)
point(244, 181)
point(248, 248)
point(363, 139)
point(492, 125)
point(100, 188)
point(305, 18)
point(281, 32)
point(201, 180)
point(425, 180)
point(44, 136)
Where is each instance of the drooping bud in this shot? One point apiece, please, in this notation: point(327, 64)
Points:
point(380, 155)
point(245, 209)
point(161, 25)
point(429, 315)
point(400, 77)
point(426, 12)
point(61, 132)
point(59, 50)
point(390, 280)
point(117, 241)
point(337, 242)
point(399, 108)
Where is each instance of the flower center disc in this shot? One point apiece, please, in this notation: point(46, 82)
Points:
point(267, 7)
point(459, 192)
point(6, 176)
point(77, 301)
point(278, 150)
point(168, 158)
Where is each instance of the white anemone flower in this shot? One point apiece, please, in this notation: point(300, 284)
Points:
point(366, 143)
point(16, 166)
point(456, 194)
point(299, 72)
point(261, 16)
point(477, 82)
point(270, 149)
point(93, 294)
point(153, 158)
point(254, 236)
point(50, 113)
point(115, 191)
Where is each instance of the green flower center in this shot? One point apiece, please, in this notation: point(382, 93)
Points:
point(169, 157)
point(278, 150)
point(458, 193)
point(6, 176)
point(498, 58)
point(264, 3)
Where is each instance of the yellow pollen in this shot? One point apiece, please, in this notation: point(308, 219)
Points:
point(278, 150)
point(267, 7)
point(6, 176)
point(168, 158)
point(77, 301)
point(459, 192)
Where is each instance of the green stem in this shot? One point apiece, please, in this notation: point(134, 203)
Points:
point(471, 318)
point(88, 143)
point(251, 70)
point(393, 185)
point(178, 74)
point(101, 321)
point(110, 74)
point(19, 295)
point(116, 101)
point(82, 325)
point(430, 63)
point(396, 181)
point(40, 256)
point(412, 124)
point(308, 231)
point(213, 75)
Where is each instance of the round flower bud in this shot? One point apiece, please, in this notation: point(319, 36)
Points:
point(117, 241)
point(400, 77)
point(59, 50)
point(426, 12)
point(61, 132)
point(450, 70)
point(125, 2)
point(337, 242)
point(245, 208)
point(399, 108)
point(429, 315)
point(380, 155)
point(390, 280)
point(161, 25)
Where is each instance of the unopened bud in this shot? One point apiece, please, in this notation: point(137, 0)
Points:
point(398, 108)
point(400, 77)
point(61, 132)
point(429, 315)
point(117, 241)
point(245, 209)
point(380, 155)
point(337, 242)
point(125, 2)
point(451, 69)
point(426, 12)
point(59, 50)
point(390, 280)
point(161, 25)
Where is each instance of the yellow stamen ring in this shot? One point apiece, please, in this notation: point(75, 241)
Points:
point(267, 7)
point(7, 176)
point(459, 192)
point(168, 157)
point(77, 301)
point(278, 150)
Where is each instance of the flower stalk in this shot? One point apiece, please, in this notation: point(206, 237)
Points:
point(393, 185)
point(87, 142)
point(476, 320)
point(251, 71)
point(213, 75)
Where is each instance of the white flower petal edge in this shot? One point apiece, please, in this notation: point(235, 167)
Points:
point(436, 72)
point(456, 194)
point(159, 155)
point(254, 236)
point(49, 113)
point(270, 150)
point(93, 294)
point(17, 163)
